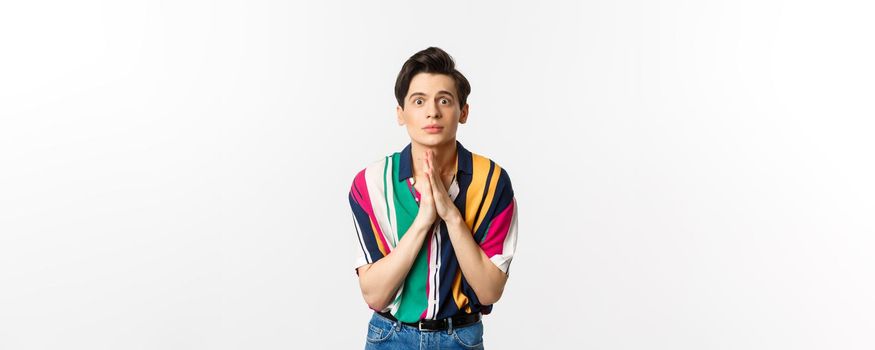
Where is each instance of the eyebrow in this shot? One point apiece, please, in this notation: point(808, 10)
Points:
point(438, 93)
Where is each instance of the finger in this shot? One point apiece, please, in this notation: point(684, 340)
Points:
point(431, 176)
point(431, 180)
point(437, 185)
point(427, 187)
point(425, 162)
point(428, 157)
point(424, 169)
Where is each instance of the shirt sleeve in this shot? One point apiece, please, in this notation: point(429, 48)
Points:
point(371, 244)
point(499, 243)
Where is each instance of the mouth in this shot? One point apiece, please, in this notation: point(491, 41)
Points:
point(433, 129)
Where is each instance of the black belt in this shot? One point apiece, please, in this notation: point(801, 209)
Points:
point(459, 320)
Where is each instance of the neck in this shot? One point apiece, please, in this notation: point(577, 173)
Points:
point(444, 157)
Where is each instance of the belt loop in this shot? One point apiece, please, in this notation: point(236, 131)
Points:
point(450, 325)
point(397, 325)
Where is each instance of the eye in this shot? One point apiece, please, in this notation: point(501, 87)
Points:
point(416, 101)
point(445, 99)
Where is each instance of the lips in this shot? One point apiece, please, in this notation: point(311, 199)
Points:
point(433, 129)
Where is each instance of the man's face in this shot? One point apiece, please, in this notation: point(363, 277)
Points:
point(432, 100)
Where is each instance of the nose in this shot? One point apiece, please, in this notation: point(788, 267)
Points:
point(432, 111)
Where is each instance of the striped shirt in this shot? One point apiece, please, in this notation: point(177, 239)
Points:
point(384, 204)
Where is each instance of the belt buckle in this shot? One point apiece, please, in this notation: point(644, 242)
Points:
point(419, 324)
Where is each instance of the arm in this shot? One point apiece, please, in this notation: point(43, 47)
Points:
point(483, 264)
point(379, 281)
point(483, 275)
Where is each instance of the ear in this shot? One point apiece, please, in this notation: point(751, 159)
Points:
point(464, 116)
point(400, 116)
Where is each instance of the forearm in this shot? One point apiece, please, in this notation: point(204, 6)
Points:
point(380, 281)
point(485, 278)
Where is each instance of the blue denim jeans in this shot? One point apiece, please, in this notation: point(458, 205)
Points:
point(384, 333)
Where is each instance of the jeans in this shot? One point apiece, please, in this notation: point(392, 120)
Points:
point(384, 333)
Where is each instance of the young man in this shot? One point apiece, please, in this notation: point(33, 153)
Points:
point(436, 223)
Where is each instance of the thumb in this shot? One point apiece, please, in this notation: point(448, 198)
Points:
point(426, 186)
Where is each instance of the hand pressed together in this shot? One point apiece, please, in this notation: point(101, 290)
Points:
point(434, 199)
point(442, 202)
point(427, 212)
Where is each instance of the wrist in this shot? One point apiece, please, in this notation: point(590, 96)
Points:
point(454, 219)
point(420, 225)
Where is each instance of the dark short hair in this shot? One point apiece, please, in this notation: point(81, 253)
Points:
point(431, 60)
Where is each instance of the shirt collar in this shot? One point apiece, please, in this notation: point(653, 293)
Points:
point(405, 168)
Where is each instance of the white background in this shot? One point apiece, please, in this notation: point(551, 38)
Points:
point(690, 174)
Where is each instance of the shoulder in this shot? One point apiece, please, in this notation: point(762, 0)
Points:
point(372, 171)
point(492, 180)
point(490, 170)
point(484, 164)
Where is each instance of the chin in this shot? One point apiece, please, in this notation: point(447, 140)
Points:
point(432, 140)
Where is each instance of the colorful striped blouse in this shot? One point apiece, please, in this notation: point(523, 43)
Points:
point(384, 204)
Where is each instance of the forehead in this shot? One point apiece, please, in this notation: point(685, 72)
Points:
point(430, 84)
